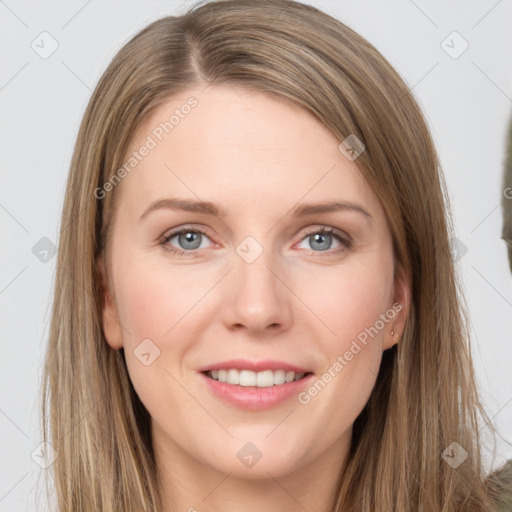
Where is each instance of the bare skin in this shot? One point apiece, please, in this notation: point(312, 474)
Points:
point(303, 300)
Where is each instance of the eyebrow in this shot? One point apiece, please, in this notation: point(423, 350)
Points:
point(208, 208)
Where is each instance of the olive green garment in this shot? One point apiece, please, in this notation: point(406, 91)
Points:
point(506, 197)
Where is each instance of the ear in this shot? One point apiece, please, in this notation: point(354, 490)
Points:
point(401, 306)
point(109, 316)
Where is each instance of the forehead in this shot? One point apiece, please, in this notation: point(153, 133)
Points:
point(239, 146)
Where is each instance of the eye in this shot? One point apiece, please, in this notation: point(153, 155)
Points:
point(188, 239)
point(320, 240)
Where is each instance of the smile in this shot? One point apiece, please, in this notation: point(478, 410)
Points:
point(263, 379)
point(254, 392)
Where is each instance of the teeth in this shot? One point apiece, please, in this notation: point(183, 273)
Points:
point(279, 377)
point(233, 377)
point(246, 378)
point(262, 379)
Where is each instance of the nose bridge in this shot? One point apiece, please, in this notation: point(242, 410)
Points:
point(253, 266)
point(259, 298)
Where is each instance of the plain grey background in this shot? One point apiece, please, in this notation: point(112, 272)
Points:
point(466, 97)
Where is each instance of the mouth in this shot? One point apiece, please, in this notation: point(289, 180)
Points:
point(255, 390)
point(255, 385)
point(261, 379)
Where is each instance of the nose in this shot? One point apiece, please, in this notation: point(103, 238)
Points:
point(258, 300)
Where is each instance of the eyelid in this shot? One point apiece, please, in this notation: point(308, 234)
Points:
point(327, 229)
point(310, 229)
point(185, 227)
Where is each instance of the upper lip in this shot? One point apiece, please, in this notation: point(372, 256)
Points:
point(255, 366)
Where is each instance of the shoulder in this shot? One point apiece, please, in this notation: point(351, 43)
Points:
point(499, 487)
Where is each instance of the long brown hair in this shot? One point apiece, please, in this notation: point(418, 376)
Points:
point(425, 397)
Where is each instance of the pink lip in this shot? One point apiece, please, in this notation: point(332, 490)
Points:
point(253, 397)
point(255, 366)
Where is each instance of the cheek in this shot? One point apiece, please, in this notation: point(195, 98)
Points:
point(354, 305)
point(164, 305)
point(153, 299)
point(154, 306)
point(351, 301)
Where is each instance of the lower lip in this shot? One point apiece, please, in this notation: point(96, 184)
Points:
point(253, 397)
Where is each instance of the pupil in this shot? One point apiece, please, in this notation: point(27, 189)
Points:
point(189, 239)
point(317, 238)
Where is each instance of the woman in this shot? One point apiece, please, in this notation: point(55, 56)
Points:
point(257, 370)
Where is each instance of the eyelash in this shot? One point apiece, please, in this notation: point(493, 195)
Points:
point(346, 243)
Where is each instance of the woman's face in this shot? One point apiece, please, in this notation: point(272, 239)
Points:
point(258, 281)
